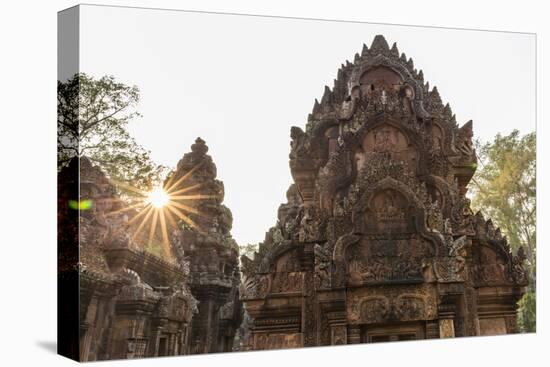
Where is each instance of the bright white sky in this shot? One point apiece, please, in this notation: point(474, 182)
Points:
point(241, 82)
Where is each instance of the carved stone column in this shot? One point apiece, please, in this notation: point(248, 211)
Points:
point(446, 328)
point(309, 314)
point(153, 348)
point(511, 324)
point(432, 329)
point(354, 334)
point(447, 313)
point(87, 328)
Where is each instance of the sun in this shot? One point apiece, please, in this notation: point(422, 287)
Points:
point(158, 197)
point(161, 207)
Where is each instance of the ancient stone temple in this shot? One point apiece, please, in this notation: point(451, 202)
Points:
point(377, 241)
point(130, 303)
point(204, 240)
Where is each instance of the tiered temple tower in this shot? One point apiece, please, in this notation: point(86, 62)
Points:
point(204, 240)
point(126, 303)
point(377, 241)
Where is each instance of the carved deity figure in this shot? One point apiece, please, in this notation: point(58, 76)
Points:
point(384, 141)
point(322, 266)
point(308, 226)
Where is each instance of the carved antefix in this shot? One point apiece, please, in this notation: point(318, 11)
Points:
point(378, 241)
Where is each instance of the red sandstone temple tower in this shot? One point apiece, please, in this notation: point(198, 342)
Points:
point(128, 302)
point(205, 242)
point(377, 241)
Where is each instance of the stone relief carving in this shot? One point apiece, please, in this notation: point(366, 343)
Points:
point(322, 266)
point(382, 170)
point(287, 282)
point(309, 226)
point(256, 286)
point(377, 305)
point(339, 335)
point(278, 341)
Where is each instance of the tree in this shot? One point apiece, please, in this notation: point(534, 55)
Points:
point(93, 117)
point(504, 187)
point(248, 250)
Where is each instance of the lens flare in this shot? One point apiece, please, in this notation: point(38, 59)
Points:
point(160, 207)
point(158, 197)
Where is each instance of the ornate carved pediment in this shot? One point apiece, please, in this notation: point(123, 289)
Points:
point(387, 139)
point(400, 259)
point(255, 286)
point(287, 282)
point(389, 205)
point(388, 211)
point(405, 303)
point(280, 273)
point(383, 229)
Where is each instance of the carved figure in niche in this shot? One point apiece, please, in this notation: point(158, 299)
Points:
point(389, 206)
point(406, 95)
point(390, 141)
point(339, 206)
point(463, 216)
point(392, 212)
point(384, 141)
point(308, 226)
point(437, 138)
point(409, 307)
point(322, 265)
point(434, 218)
point(374, 309)
point(451, 268)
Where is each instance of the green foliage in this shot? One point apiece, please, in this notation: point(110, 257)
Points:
point(248, 250)
point(527, 317)
point(504, 189)
point(93, 117)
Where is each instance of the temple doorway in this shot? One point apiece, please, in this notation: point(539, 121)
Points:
point(393, 332)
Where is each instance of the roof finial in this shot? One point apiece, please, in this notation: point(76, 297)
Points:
point(316, 107)
point(365, 50)
point(326, 95)
point(447, 111)
point(421, 76)
point(199, 147)
point(379, 44)
point(394, 51)
point(410, 63)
